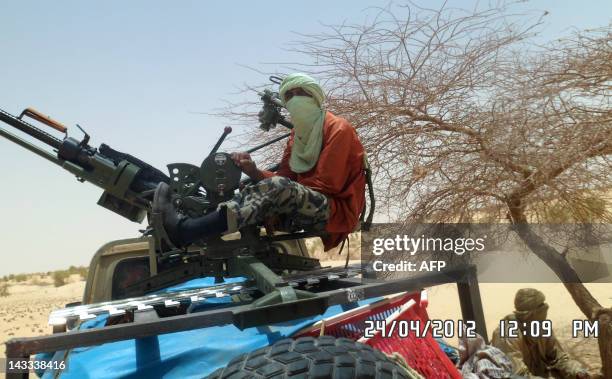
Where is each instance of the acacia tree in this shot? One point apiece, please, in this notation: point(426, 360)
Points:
point(456, 120)
point(462, 116)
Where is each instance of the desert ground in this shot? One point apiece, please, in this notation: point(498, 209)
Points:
point(23, 313)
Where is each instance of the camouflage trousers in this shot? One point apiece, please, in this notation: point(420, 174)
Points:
point(296, 206)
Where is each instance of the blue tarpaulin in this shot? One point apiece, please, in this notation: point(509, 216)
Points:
point(194, 353)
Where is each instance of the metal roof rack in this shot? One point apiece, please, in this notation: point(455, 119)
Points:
point(335, 291)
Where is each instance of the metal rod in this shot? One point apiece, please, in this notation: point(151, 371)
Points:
point(33, 148)
point(270, 142)
point(285, 123)
point(226, 131)
point(471, 302)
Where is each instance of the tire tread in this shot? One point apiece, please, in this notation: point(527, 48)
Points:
point(309, 358)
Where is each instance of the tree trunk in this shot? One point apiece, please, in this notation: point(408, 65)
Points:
point(589, 306)
point(605, 342)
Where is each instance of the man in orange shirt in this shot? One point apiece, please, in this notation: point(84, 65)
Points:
point(320, 183)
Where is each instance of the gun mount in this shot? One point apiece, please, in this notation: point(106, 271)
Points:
point(129, 184)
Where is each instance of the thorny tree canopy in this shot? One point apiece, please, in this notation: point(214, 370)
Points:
point(462, 115)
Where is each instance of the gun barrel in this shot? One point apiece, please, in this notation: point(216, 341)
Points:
point(30, 129)
point(127, 181)
point(35, 149)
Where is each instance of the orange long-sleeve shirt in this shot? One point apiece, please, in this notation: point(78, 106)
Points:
point(338, 174)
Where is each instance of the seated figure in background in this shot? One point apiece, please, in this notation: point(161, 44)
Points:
point(535, 356)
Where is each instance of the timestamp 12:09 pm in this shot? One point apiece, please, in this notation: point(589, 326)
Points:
point(543, 328)
point(420, 328)
point(534, 328)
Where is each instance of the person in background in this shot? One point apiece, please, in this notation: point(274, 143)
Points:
point(534, 357)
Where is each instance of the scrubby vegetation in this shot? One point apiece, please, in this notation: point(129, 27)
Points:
point(60, 277)
point(57, 278)
point(81, 270)
point(21, 278)
point(4, 289)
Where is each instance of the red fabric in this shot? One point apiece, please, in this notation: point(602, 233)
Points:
point(338, 174)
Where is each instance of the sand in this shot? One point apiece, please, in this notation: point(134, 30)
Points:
point(24, 312)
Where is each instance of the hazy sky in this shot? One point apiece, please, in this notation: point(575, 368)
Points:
point(132, 73)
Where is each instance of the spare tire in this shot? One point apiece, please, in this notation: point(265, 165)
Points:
point(308, 357)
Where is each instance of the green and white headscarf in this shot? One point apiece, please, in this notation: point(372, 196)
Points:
point(307, 116)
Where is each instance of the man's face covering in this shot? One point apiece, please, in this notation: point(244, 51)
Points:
point(307, 116)
point(305, 113)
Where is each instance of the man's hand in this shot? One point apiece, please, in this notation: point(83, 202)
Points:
point(246, 164)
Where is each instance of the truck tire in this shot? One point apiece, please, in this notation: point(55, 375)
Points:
point(308, 357)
